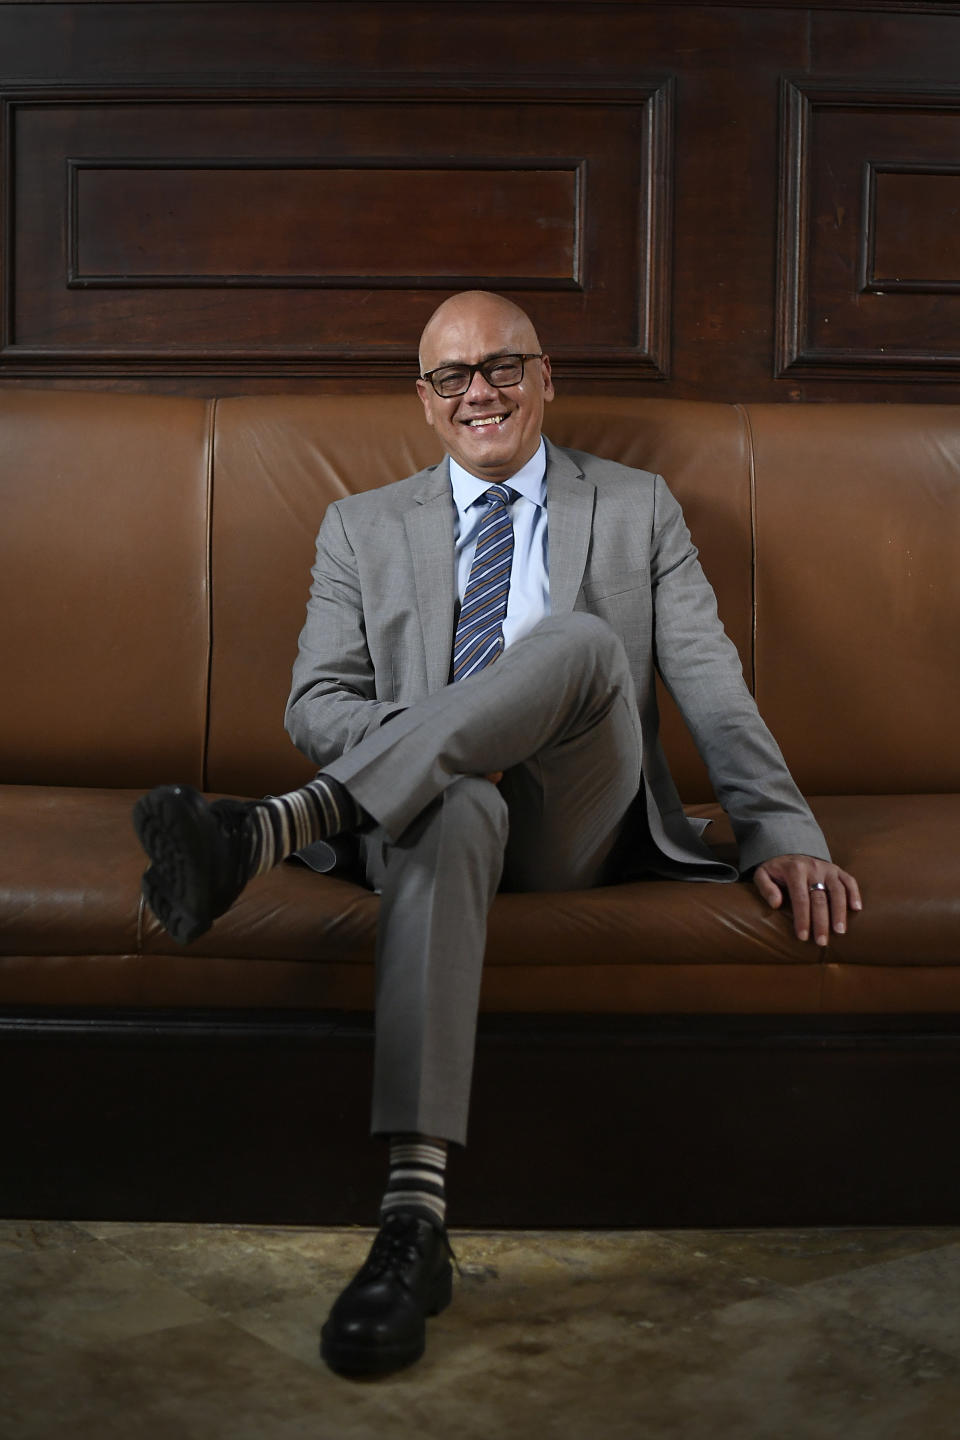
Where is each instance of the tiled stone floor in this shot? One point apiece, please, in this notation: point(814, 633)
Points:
point(188, 1332)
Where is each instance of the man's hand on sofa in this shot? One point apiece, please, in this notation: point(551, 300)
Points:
point(820, 894)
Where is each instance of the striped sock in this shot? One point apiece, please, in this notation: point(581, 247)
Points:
point(285, 823)
point(416, 1178)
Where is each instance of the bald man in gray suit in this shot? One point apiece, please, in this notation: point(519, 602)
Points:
point(542, 771)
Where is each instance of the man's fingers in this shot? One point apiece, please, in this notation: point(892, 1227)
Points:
point(844, 893)
point(800, 898)
point(837, 892)
point(853, 890)
point(819, 898)
point(820, 894)
point(768, 887)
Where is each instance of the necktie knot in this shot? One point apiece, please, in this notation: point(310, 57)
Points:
point(499, 495)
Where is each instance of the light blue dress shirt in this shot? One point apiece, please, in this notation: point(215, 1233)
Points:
point(528, 600)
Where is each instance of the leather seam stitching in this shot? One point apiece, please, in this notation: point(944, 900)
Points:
point(208, 577)
point(752, 479)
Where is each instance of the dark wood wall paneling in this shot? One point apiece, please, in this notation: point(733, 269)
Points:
point(752, 201)
point(870, 224)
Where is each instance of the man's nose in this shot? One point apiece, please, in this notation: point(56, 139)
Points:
point(480, 389)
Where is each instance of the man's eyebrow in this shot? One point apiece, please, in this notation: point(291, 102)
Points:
point(462, 364)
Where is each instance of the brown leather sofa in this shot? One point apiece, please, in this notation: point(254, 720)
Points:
point(155, 567)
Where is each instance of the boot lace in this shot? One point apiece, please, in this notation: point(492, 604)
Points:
point(398, 1245)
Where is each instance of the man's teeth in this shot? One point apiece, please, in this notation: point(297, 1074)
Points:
point(487, 420)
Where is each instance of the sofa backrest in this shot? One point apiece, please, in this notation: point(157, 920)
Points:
point(156, 554)
point(857, 526)
point(104, 595)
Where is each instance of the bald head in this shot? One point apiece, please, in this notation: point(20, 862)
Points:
point(468, 312)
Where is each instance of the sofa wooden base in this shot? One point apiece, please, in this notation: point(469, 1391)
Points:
point(619, 1121)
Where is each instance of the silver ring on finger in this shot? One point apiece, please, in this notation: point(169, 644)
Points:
point(819, 887)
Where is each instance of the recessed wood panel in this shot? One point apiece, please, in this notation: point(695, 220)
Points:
point(913, 230)
point(249, 223)
point(870, 259)
point(167, 231)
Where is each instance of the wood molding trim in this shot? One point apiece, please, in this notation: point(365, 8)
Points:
point(106, 215)
point(801, 288)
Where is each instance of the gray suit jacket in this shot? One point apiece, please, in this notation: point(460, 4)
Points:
point(380, 621)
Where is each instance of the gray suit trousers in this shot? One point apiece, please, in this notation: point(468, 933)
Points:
point(558, 715)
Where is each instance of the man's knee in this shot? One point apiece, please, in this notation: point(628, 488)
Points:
point(588, 640)
point(591, 631)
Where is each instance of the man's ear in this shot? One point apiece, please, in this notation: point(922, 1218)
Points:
point(548, 390)
point(425, 391)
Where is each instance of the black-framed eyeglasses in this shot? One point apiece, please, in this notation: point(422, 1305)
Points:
point(500, 372)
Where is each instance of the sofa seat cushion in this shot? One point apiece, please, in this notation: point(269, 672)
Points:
point(74, 931)
point(70, 871)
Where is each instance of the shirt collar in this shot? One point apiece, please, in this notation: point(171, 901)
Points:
point(530, 481)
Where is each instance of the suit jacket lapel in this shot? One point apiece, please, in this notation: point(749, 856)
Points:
point(429, 527)
point(570, 502)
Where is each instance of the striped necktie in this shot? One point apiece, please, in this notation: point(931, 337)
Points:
point(479, 637)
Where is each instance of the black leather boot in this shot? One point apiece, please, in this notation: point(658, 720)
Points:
point(201, 856)
point(379, 1322)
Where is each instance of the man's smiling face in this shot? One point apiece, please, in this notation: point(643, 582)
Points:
point(489, 431)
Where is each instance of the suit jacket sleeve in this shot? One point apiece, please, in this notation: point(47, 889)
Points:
point(333, 702)
point(701, 669)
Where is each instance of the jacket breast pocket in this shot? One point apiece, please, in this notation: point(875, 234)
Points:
point(615, 582)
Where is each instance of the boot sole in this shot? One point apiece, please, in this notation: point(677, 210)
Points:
point(174, 829)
